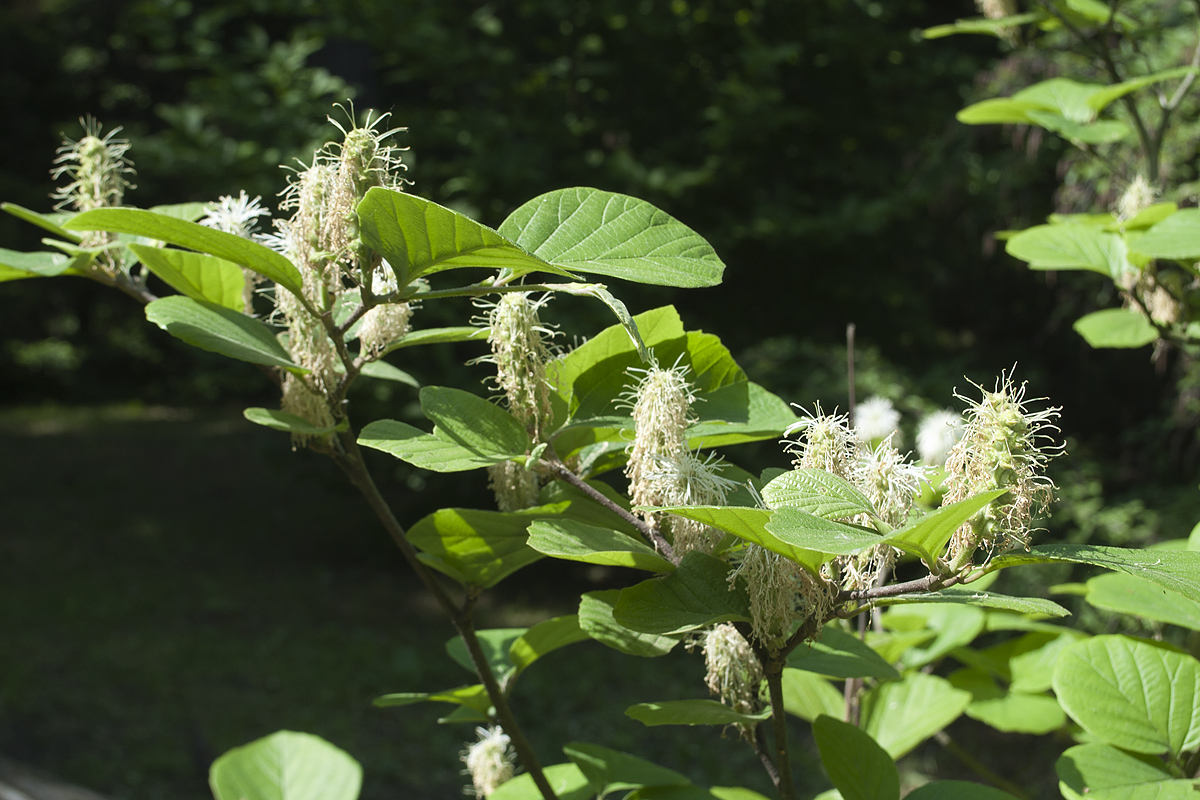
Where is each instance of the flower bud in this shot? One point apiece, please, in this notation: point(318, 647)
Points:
point(734, 674)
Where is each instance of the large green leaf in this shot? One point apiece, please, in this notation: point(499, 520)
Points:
point(957, 790)
point(576, 541)
point(1116, 327)
point(196, 275)
point(593, 231)
point(692, 712)
point(954, 625)
point(596, 619)
point(1011, 712)
point(473, 697)
point(965, 596)
point(817, 492)
point(807, 531)
point(1178, 571)
point(474, 423)
point(286, 766)
point(902, 714)
point(927, 537)
point(1126, 594)
point(419, 237)
point(50, 222)
point(838, 654)
point(1101, 131)
point(982, 25)
point(1091, 769)
point(611, 771)
point(543, 638)
point(37, 265)
point(857, 765)
point(1070, 246)
point(478, 547)
point(463, 333)
point(751, 524)
point(1132, 694)
point(808, 695)
point(738, 413)
point(1177, 236)
point(433, 451)
point(219, 329)
point(697, 594)
point(383, 371)
point(193, 236)
point(292, 423)
point(566, 780)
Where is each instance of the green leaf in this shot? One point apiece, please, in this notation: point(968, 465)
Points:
point(1148, 217)
point(438, 336)
point(596, 619)
point(473, 422)
point(286, 766)
point(738, 413)
point(419, 237)
point(1095, 132)
point(1178, 571)
point(611, 771)
point(692, 712)
point(39, 265)
point(576, 541)
point(1105, 95)
point(593, 231)
point(473, 697)
point(1031, 662)
point(49, 222)
point(433, 451)
point(927, 537)
point(804, 530)
point(219, 330)
point(181, 233)
point(495, 643)
point(808, 696)
point(697, 594)
point(1126, 594)
point(382, 370)
point(1020, 605)
point(1131, 694)
point(957, 790)
point(838, 654)
point(283, 421)
point(955, 625)
point(479, 548)
point(1177, 237)
point(991, 27)
point(545, 637)
point(1116, 327)
point(751, 524)
point(817, 492)
point(196, 275)
point(1011, 712)
point(902, 714)
point(566, 780)
point(857, 765)
point(1089, 769)
point(1070, 246)
point(997, 111)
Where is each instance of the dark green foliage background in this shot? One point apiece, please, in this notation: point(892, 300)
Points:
point(813, 143)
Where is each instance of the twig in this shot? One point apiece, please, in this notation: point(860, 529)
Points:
point(764, 756)
point(850, 328)
point(349, 459)
point(560, 470)
point(774, 673)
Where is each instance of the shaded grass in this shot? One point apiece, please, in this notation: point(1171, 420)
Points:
point(175, 586)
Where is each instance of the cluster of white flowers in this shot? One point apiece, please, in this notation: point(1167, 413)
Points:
point(490, 761)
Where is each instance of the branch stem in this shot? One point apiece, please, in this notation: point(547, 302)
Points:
point(774, 674)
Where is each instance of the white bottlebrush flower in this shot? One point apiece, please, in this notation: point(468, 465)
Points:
point(689, 480)
point(889, 481)
point(96, 168)
point(1137, 195)
point(826, 442)
point(237, 215)
point(1004, 446)
point(937, 433)
point(733, 673)
point(875, 418)
point(490, 761)
point(662, 403)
